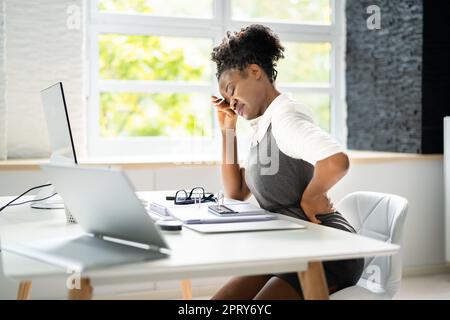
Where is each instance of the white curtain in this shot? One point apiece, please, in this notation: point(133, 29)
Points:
point(41, 49)
point(2, 85)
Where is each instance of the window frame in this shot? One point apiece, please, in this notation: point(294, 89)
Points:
point(205, 148)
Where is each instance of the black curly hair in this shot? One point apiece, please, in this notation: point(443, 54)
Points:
point(256, 44)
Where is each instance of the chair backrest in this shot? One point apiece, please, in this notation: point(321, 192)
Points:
point(380, 216)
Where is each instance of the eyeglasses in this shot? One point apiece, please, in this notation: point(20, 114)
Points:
point(197, 194)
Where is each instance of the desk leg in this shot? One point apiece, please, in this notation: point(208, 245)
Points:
point(24, 291)
point(84, 292)
point(186, 289)
point(314, 283)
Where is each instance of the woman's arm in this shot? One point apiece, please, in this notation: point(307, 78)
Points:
point(327, 173)
point(232, 173)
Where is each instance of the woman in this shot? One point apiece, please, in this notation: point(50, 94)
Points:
point(308, 162)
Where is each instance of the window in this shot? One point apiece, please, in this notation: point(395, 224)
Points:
point(151, 74)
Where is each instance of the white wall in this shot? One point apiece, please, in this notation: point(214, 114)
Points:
point(40, 50)
point(447, 184)
point(2, 84)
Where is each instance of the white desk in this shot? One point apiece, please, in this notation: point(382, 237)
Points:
point(195, 255)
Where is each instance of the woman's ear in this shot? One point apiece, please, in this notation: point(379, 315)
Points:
point(255, 71)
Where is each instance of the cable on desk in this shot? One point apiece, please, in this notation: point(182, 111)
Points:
point(17, 198)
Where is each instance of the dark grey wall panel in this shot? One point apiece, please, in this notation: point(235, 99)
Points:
point(384, 76)
point(436, 73)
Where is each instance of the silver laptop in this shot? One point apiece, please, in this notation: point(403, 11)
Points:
point(104, 203)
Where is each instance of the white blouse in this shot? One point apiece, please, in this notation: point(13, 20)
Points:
point(295, 131)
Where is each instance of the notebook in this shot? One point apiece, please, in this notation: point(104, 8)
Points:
point(192, 214)
point(246, 226)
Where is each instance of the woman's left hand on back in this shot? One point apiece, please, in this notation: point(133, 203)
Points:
point(316, 205)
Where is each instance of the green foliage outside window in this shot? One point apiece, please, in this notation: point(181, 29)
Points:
point(292, 11)
point(153, 58)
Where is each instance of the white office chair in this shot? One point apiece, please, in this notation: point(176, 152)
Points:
point(380, 216)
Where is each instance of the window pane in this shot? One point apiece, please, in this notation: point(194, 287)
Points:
point(180, 8)
point(292, 11)
point(135, 57)
point(160, 114)
point(305, 62)
point(320, 104)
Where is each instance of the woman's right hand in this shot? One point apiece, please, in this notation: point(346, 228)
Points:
point(226, 116)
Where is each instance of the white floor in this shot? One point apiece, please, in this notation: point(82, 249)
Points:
point(434, 287)
point(426, 287)
point(429, 287)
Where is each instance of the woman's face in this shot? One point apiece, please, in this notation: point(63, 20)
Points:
point(244, 91)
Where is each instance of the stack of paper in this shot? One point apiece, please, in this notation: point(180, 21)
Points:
point(195, 214)
point(162, 206)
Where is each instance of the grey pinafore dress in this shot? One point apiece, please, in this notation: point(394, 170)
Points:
point(280, 191)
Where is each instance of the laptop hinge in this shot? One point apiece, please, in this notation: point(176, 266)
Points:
point(129, 243)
